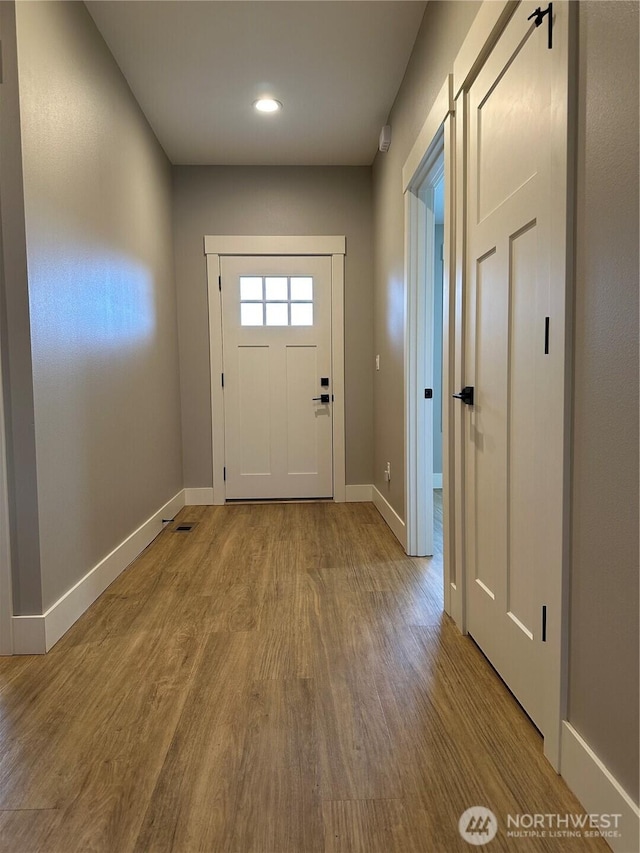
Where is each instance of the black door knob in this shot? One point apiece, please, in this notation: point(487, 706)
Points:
point(466, 395)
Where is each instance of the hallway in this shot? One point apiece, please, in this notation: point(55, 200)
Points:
point(280, 679)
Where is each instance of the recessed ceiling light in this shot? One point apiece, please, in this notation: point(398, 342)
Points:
point(267, 105)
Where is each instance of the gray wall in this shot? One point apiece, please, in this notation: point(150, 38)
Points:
point(443, 30)
point(97, 199)
point(603, 695)
point(272, 200)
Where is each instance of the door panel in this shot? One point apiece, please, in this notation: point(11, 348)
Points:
point(509, 557)
point(302, 385)
point(507, 121)
point(253, 428)
point(276, 314)
point(525, 342)
point(489, 426)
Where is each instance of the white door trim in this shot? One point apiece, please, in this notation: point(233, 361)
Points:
point(487, 26)
point(420, 229)
point(414, 168)
point(237, 245)
point(6, 593)
point(437, 136)
point(6, 587)
point(334, 246)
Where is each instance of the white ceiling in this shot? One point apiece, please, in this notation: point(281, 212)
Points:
point(196, 68)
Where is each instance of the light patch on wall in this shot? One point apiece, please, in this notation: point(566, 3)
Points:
point(395, 308)
point(91, 301)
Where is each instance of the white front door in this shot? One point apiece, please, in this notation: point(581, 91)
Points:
point(515, 363)
point(276, 317)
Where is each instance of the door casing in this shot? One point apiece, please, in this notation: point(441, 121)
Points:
point(216, 246)
point(6, 587)
point(6, 594)
point(436, 140)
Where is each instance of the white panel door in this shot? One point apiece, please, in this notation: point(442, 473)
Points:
point(512, 428)
point(276, 315)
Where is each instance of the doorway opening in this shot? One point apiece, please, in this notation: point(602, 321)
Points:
point(438, 338)
point(438, 342)
point(425, 337)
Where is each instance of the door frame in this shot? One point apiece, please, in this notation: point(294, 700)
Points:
point(418, 353)
point(217, 246)
point(6, 593)
point(436, 139)
point(6, 590)
point(6, 579)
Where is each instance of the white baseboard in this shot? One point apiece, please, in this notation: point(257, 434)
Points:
point(359, 494)
point(437, 481)
point(35, 635)
point(204, 496)
point(392, 518)
point(598, 790)
point(198, 497)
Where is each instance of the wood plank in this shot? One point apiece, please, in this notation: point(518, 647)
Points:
point(278, 802)
point(28, 829)
point(374, 826)
point(193, 803)
point(100, 766)
point(357, 757)
point(284, 645)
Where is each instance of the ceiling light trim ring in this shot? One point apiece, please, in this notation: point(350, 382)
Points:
point(267, 105)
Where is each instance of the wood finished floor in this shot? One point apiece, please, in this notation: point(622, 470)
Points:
point(280, 680)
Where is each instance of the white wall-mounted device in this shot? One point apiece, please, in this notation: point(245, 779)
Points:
point(385, 138)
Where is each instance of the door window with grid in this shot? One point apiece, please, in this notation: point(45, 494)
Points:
point(273, 300)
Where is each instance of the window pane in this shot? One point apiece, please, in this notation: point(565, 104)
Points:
point(250, 288)
point(251, 314)
point(277, 314)
point(276, 289)
point(301, 289)
point(302, 314)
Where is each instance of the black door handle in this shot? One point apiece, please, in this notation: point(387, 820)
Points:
point(466, 395)
point(323, 398)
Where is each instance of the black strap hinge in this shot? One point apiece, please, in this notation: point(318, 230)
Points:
point(546, 335)
point(539, 16)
